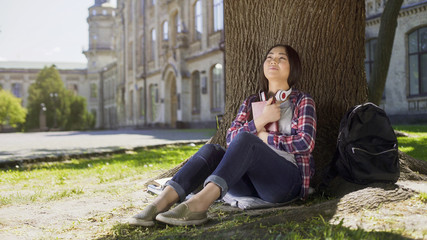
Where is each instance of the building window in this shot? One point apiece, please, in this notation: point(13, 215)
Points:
point(17, 90)
point(154, 99)
point(153, 43)
point(195, 92)
point(141, 7)
point(198, 20)
point(94, 113)
point(165, 31)
point(370, 47)
point(93, 90)
point(218, 9)
point(131, 105)
point(141, 101)
point(73, 88)
point(417, 41)
point(178, 23)
point(217, 94)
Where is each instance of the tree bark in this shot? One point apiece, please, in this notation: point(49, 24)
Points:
point(383, 52)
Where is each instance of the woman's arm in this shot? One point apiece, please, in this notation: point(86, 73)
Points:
point(241, 123)
point(303, 141)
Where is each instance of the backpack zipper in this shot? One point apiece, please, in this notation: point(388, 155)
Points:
point(363, 150)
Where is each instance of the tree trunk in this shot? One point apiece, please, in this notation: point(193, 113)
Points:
point(383, 52)
point(328, 35)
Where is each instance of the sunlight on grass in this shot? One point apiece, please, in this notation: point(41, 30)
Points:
point(415, 144)
point(58, 180)
point(313, 228)
point(423, 197)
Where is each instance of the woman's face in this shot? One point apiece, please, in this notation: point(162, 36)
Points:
point(276, 65)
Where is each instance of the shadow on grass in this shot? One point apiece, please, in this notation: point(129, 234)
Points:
point(300, 220)
point(168, 155)
point(253, 228)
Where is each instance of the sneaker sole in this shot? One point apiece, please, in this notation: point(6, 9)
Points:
point(139, 222)
point(178, 222)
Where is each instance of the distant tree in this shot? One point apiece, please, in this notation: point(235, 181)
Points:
point(383, 51)
point(48, 91)
point(61, 110)
point(79, 118)
point(11, 111)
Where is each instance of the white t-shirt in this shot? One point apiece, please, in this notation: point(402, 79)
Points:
point(285, 128)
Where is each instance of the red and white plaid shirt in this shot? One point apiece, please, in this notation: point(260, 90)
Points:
point(302, 138)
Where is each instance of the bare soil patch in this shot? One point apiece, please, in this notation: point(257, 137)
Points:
point(91, 216)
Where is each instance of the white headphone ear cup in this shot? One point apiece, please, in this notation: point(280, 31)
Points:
point(281, 95)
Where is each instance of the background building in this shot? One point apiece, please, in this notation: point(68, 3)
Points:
point(170, 62)
point(405, 94)
point(161, 63)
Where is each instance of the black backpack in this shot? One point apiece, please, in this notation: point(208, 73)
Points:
point(367, 149)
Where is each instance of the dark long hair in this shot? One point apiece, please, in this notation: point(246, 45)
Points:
point(295, 65)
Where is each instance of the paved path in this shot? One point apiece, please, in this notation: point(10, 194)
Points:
point(27, 147)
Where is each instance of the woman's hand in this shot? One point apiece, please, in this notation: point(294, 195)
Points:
point(270, 113)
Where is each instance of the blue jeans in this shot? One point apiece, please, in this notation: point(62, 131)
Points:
point(249, 167)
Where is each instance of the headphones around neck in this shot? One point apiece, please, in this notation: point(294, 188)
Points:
point(281, 95)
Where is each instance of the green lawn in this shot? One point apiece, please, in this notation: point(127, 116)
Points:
point(91, 177)
point(416, 144)
point(65, 179)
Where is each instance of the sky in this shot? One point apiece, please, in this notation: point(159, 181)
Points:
point(44, 30)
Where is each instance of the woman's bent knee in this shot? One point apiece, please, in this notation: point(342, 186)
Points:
point(244, 138)
point(210, 153)
point(209, 149)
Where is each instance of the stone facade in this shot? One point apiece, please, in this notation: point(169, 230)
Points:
point(402, 104)
point(161, 63)
point(172, 62)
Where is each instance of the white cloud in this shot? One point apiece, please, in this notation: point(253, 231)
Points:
point(3, 59)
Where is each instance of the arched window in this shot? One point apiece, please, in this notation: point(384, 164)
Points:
point(177, 23)
point(370, 47)
point(141, 100)
point(153, 44)
point(198, 21)
point(218, 13)
point(217, 94)
point(195, 103)
point(417, 55)
point(93, 90)
point(154, 99)
point(17, 90)
point(165, 30)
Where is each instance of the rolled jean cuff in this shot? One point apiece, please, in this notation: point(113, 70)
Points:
point(220, 182)
point(178, 189)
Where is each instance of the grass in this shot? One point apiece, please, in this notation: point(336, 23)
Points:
point(50, 182)
point(84, 176)
point(415, 145)
point(313, 228)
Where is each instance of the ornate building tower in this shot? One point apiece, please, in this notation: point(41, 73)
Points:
point(100, 54)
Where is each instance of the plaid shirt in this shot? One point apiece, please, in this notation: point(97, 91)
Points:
point(300, 142)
